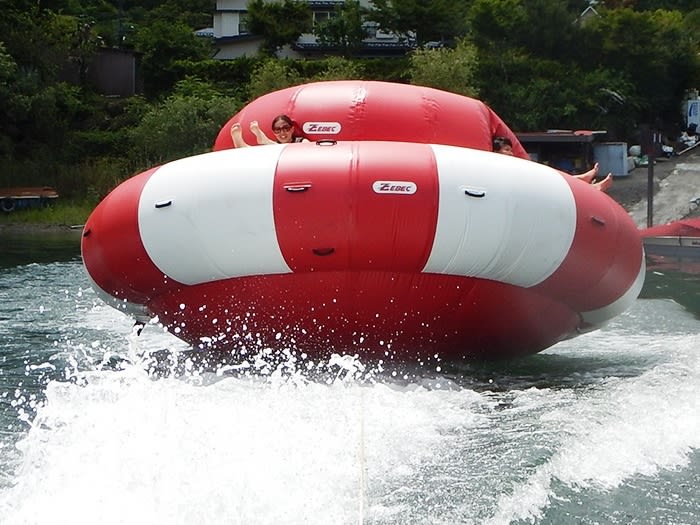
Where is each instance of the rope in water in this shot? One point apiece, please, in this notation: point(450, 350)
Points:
point(361, 454)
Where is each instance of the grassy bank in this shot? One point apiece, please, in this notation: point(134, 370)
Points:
point(60, 214)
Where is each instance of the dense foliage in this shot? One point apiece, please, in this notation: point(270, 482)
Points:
point(278, 22)
point(345, 31)
point(538, 63)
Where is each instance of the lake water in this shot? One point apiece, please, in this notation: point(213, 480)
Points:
point(602, 429)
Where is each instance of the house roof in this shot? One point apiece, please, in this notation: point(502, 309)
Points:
point(560, 135)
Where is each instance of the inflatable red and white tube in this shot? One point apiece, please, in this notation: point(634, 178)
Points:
point(372, 110)
point(377, 247)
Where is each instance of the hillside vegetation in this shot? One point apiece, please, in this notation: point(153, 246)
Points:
point(535, 62)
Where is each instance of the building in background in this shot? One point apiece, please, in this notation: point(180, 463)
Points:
point(232, 38)
point(110, 72)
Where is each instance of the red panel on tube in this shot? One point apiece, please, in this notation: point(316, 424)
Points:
point(356, 206)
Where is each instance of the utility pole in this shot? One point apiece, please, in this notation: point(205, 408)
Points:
point(650, 191)
point(650, 139)
point(120, 29)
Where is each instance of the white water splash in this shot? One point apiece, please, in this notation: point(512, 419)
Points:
point(123, 448)
point(261, 442)
point(630, 427)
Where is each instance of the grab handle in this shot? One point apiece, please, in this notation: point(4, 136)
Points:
point(296, 188)
point(477, 193)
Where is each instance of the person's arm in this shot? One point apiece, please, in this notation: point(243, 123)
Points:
point(237, 136)
point(262, 138)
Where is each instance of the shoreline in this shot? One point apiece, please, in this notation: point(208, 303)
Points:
point(37, 228)
point(676, 183)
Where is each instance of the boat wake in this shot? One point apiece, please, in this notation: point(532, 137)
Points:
point(339, 441)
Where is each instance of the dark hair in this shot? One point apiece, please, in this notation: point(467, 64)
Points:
point(499, 142)
point(284, 118)
point(287, 120)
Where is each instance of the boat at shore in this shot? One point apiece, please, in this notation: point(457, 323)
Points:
point(677, 239)
point(22, 198)
point(380, 247)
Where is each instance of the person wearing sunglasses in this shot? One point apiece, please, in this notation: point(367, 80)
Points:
point(282, 127)
point(504, 146)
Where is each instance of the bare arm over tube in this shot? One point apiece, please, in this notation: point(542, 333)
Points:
point(237, 136)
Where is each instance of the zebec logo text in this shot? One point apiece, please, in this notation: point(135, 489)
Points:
point(399, 187)
point(325, 128)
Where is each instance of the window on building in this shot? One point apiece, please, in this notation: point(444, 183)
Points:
point(243, 24)
point(320, 17)
point(371, 28)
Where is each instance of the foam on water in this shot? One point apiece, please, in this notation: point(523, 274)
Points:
point(621, 429)
point(124, 448)
point(270, 442)
point(121, 447)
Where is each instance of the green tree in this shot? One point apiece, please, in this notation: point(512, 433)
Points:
point(439, 20)
point(279, 23)
point(533, 54)
point(538, 94)
point(652, 5)
point(344, 31)
point(84, 46)
point(272, 75)
point(161, 45)
point(339, 68)
point(493, 23)
point(182, 125)
point(551, 29)
point(535, 68)
point(38, 112)
point(192, 86)
point(36, 38)
point(691, 27)
point(543, 28)
point(447, 69)
point(8, 101)
point(101, 15)
point(652, 51)
point(193, 13)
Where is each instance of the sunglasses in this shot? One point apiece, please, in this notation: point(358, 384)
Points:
point(281, 129)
